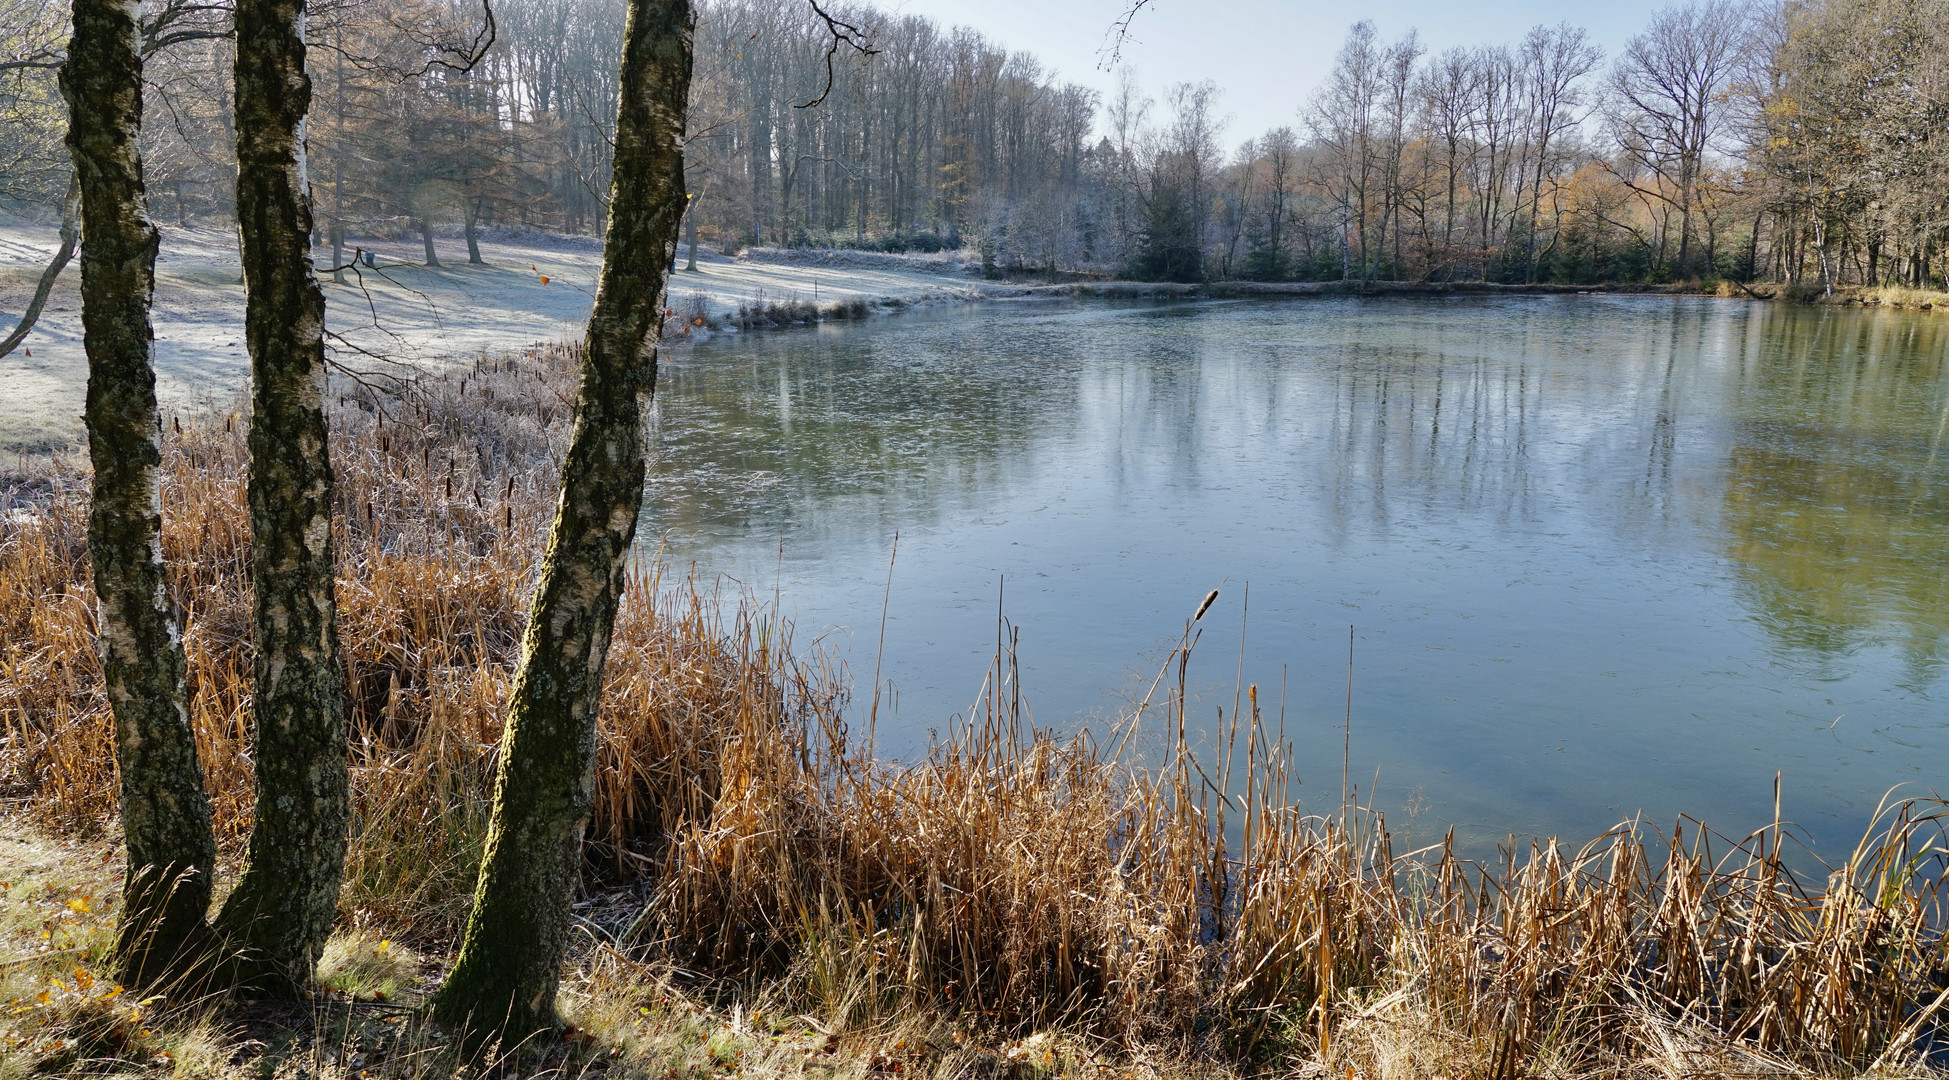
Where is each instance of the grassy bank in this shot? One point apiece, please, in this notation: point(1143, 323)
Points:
point(765, 896)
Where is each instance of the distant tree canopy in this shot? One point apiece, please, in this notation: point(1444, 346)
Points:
point(1806, 143)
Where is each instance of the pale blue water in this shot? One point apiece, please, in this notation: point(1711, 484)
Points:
point(1602, 555)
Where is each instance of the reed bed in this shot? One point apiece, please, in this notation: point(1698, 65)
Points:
point(1012, 880)
point(444, 489)
point(794, 310)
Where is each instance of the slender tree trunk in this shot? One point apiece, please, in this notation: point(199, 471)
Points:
point(1686, 172)
point(70, 233)
point(473, 233)
point(165, 815)
point(1753, 248)
point(284, 905)
point(338, 164)
point(426, 240)
point(1826, 268)
point(690, 230)
point(510, 960)
point(1536, 197)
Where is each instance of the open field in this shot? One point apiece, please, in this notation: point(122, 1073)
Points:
point(765, 897)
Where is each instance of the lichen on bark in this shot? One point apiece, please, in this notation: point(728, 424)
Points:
point(276, 920)
point(165, 814)
point(504, 981)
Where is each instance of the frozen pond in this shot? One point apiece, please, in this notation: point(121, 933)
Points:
point(1601, 555)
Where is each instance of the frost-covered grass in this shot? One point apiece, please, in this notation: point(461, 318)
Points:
point(534, 287)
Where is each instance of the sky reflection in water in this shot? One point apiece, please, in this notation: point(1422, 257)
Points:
point(1602, 555)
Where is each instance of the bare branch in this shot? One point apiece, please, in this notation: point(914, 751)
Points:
point(46, 59)
point(843, 33)
point(473, 54)
point(160, 29)
point(1111, 54)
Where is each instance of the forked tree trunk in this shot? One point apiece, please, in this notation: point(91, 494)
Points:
point(510, 960)
point(283, 907)
point(165, 815)
point(70, 234)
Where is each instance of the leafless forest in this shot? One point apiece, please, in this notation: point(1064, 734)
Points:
point(1801, 143)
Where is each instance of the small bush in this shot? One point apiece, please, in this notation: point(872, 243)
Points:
point(762, 314)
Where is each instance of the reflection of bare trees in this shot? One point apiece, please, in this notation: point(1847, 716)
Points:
point(815, 433)
point(1836, 512)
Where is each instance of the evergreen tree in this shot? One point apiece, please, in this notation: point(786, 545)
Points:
point(1168, 249)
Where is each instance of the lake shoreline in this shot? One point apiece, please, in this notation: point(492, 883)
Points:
point(536, 288)
point(1892, 298)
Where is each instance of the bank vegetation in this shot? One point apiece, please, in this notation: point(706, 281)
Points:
point(763, 895)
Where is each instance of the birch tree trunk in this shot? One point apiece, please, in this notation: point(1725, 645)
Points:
point(165, 815)
point(283, 907)
point(511, 957)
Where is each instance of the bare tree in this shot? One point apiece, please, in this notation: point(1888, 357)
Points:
point(1396, 132)
point(1668, 99)
point(1449, 87)
point(1495, 125)
point(1341, 118)
point(33, 165)
point(1554, 61)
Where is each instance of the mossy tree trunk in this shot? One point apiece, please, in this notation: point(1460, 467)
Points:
point(285, 902)
point(165, 815)
point(510, 959)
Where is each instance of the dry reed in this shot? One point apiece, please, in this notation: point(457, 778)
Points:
point(1013, 878)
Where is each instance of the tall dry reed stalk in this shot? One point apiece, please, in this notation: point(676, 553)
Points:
point(1013, 877)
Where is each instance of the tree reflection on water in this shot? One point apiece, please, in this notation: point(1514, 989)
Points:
point(1837, 515)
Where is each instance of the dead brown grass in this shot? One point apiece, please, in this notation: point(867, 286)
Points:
point(1011, 882)
point(444, 490)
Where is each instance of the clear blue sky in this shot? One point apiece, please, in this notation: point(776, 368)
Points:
point(1267, 55)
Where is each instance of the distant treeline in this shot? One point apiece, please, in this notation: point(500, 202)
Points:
point(1805, 143)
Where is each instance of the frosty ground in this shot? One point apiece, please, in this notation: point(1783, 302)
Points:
point(400, 311)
